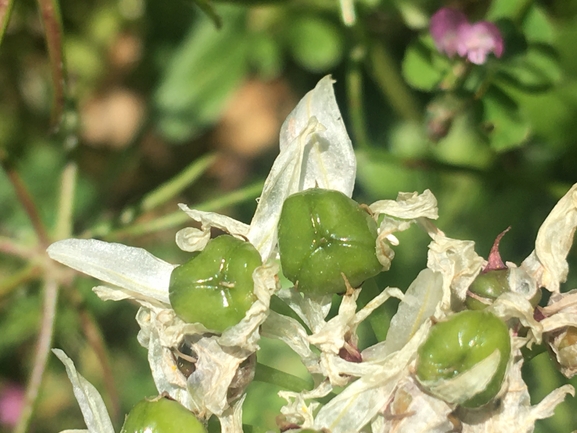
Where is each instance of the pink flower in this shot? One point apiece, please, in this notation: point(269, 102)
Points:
point(11, 404)
point(453, 34)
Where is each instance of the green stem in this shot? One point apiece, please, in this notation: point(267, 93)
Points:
point(66, 203)
point(7, 285)
point(9, 246)
point(254, 429)
point(386, 73)
point(355, 96)
point(379, 319)
point(279, 306)
point(287, 381)
point(27, 202)
point(41, 356)
point(179, 218)
point(50, 12)
point(5, 12)
point(174, 186)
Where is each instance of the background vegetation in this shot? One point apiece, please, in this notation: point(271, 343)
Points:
point(114, 111)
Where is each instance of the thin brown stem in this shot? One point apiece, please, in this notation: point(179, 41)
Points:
point(50, 12)
point(41, 357)
point(11, 247)
point(5, 12)
point(96, 341)
point(27, 201)
point(9, 284)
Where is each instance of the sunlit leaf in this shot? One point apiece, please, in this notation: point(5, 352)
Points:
point(423, 67)
point(504, 124)
point(327, 49)
point(535, 71)
point(198, 80)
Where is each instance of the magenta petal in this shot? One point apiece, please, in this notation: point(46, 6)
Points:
point(11, 404)
point(444, 27)
point(476, 41)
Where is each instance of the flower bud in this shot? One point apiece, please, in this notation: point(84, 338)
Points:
point(161, 415)
point(464, 359)
point(324, 235)
point(215, 288)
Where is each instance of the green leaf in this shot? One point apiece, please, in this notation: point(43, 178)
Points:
point(536, 71)
point(382, 175)
point(315, 43)
point(266, 56)
point(198, 79)
point(537, 27)
point(504, 124)
point(423, 67)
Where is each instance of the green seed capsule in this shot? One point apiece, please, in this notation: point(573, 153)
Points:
point(486, 288)
point(215, 288)
point(455, 346)
point(322, 235)
point(161, 415)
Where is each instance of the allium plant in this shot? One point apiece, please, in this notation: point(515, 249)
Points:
point(442, 366)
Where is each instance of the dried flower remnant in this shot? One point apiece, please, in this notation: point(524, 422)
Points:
point(560, 328)
point(453, 34)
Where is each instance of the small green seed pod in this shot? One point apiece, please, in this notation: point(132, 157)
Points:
point(215, 288)
point(161, 415)
point(323, 235)
point(489, 285)
point(456, 346)
point(486, 288)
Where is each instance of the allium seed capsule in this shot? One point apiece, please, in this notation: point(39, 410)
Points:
point(215, 288)
point(456, 346)
point(323, 235)
point(161, 415)
point(486, 288)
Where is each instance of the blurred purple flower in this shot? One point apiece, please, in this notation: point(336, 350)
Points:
point(444, 27)
point(11, 404)
point(453, 34)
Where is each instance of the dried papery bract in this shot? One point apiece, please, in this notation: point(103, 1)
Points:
point(548, 263)
point(315, 151)
point(89, 399)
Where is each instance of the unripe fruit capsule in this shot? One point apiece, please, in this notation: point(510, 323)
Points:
point(486, 288)
point(456, 345)
point(322, 235)
point(161, 415)
point(215, 288)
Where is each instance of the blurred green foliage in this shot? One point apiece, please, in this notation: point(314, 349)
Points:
point(149, 89)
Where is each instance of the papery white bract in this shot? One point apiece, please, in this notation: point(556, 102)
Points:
point(315, 151)
point(89, 399)
point(548, 263)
